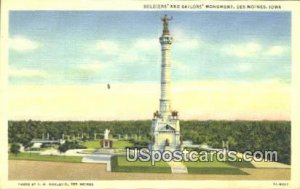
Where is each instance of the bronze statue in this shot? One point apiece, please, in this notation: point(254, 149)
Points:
point(156, 114)
point(174, 114)
point(166, 20)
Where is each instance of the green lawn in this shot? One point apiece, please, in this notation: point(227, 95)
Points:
point(216, 167)
point(38, 157)
point(120, 164)
point(212, 168)
point(120, 144)
point(241, 164)
point(92, 144)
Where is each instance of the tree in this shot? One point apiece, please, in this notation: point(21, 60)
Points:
point(70, 145)
point(63, 148)
point(15, 149)
point(241, 135)
point(27, 144)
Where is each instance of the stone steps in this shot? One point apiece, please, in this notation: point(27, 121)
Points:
point(178, 167)
point(179, 170)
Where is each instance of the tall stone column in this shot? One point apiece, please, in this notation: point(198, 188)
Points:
point(165, 127)
point(165, 98)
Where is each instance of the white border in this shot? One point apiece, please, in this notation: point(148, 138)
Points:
point(293, 6)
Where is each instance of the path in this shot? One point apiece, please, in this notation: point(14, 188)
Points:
point(177, 167)
point(266, 164)
point(42, 170)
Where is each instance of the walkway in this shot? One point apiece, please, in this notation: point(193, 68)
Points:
point(41, 170)
point(266, 164)
point(178, 167)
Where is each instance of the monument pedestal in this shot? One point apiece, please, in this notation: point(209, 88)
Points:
point(106, 143)
point(166, 134)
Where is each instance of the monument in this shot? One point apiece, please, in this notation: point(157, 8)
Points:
point(165, 130)
point(106, 142)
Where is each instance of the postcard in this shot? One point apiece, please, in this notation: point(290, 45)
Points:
point(150, 94)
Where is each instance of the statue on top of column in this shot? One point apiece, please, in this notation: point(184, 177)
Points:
point(166, 20)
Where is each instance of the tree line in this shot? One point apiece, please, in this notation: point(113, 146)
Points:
point(241, 135)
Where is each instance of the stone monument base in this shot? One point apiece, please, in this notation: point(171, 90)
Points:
point(106, 143)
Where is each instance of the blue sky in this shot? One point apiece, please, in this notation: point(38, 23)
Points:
point(77, 47)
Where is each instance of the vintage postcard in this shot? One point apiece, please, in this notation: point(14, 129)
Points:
point(150, 94)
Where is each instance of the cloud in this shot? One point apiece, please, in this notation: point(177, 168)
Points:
point(23, 44)
point(276, 50)
point(94, 66)
point(253, 49)
point(244, 67)
point(24, 72)
point(107, 46)
point(127, 51)
point(189, 44)
point(182, 66)
point(136, 50)
point(129, 57)
point(243, 50)
point(146, 44)
point(186, 41)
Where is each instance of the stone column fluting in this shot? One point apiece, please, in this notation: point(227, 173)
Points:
point(165, 98)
